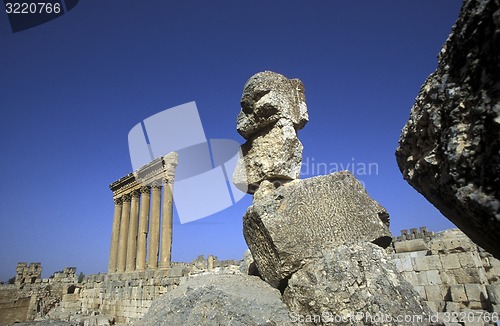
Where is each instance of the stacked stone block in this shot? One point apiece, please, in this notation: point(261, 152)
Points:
point(126, 297)
point(450, 272)
point(414, 233)
point(31, 296)
point(14, 305)
point(273, 110)
point(28, 274)
point(210, 263)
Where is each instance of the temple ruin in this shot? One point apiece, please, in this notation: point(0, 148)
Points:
point(28, 274)
point(139, 204)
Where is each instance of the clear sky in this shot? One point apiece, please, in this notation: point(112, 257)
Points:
point(71, 89)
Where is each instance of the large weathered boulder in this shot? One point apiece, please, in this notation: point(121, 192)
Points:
point(247, 265)
point(218, 300)
point(449, 149)
point(273, 108)
point(354, 284)
point(290, 225)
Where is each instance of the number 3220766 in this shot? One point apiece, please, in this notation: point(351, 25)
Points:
point(32, 8)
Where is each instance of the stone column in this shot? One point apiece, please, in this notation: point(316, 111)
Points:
point(143, 229)
point(210, 262)
point(113, 254)
point(166, 234)
point(122, 242)
point(132, 231)
point(154, 236)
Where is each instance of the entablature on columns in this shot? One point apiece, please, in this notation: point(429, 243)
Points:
point(154, 173)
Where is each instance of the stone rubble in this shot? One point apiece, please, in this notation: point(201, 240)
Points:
point(237, 300)
point(297, 229)
point(353, 284)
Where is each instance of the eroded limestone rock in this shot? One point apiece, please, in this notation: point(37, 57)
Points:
point(275, 154)
point(247, 265)
point(219, 300)
point(354, 284)
point(268, 97)
point(449, 149)
point(290, 225)
point(273, 109)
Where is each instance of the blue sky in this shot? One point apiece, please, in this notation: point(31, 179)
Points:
point(71, 89)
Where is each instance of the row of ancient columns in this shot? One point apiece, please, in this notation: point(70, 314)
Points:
point(137, 215)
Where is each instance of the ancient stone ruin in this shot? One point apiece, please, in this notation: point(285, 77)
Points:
point(296, 229)
point(28, 274)
point(31, 296)
point(136, 218)
point(449, 149)
point(449, 271)
point(320, 252)
point(140, 269)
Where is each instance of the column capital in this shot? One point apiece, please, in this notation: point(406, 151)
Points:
point(118, 201)
point(126, 198)
point(156, 185)
point(167, 181)
point(145, 190)
point(135, 194)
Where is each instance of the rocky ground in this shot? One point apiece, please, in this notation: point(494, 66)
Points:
point(46, 323)
point(219, 300)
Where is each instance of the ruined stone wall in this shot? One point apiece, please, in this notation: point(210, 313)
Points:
point(14, 305)
point(449, 271)
point(16, 302)
point(126, 296)
point(119, 297)
point(31, 296)
point(28, 274)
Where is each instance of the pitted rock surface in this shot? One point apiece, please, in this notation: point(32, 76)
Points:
point(273, 108)
point(289, 225)
point(268, 97)
point(236, 300)
point(275, 154)
point(354, 284)
point(449, 149)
